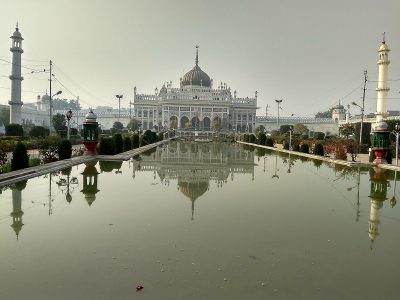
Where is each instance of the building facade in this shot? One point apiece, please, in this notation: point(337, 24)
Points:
point(195, 105)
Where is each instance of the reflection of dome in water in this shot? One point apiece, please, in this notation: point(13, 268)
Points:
point(193, 190)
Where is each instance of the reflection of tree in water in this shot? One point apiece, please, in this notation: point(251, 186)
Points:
point(345, 172)
point(109, 166)
point(260, 151)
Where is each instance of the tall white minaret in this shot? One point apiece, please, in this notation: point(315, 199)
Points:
point(16, 78)
point(383, 86)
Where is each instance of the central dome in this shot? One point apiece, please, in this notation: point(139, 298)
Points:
point(196, 76)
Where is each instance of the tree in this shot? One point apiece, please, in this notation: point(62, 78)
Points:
point(346, 130)
point(300, 129)
point(259, 130)
point(64, 150)
point(324, 114)
point(20, 159)
point(118, 125)
point(59, 122)
point(284, 129)
point(134, 124)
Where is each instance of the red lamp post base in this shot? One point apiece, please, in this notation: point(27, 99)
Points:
point(380, 155)
point(91, 147)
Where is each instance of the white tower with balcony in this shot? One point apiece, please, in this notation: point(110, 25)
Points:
point(383, 86)
point(16, 78)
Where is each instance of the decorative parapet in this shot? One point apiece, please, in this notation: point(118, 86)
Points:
point(294, 120)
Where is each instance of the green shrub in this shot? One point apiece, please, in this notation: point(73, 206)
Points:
point(318, 135)
point(64, 150)
point(38, 131)
point(304, 148)
point(127, 143)
point(14, 130)
point(118, 143)
point(48, 147)
point(286, 145)
point(142, 141)
point(20, 159)
point(296, 147)
point(106, 146)
point(246, 138)
point(161, 136)
point(252, 138)
point(135, 141)
point(319, 149)
point(154, 137)
point(269, 142)
point(262, 139)
point(33, 162)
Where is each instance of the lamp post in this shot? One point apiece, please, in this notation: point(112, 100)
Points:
point(362, 119)
point(119, 104)
point(69, 116)
point(278, 101)
point(290, 137)
point(396, 132)
point(51, 110)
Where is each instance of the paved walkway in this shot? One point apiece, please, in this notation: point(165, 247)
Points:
point(24, 174)
point(362, 160)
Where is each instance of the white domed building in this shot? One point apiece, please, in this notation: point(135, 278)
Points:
point(195, 105)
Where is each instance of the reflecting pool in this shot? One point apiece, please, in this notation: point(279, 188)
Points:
point(202, 221)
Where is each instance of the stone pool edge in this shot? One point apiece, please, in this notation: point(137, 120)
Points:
point(327, 159)
point(28, 173)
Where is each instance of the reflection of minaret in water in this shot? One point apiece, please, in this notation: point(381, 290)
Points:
point(17, 206)
point(90, 175)
point(379, 185)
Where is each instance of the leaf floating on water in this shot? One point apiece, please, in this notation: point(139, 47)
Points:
point(139, 287)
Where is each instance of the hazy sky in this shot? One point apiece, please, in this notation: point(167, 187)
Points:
point(310, 53)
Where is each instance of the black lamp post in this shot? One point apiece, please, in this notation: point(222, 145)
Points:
point(69, 116)
point(51, 110)
point(119, 104)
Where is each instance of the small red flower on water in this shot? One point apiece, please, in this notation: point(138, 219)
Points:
point(139, 287)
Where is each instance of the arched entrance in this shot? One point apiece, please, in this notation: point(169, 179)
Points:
point(207, 123)
point(216, 123)
point(195, 123)
point(184, 121)
point(173, 122)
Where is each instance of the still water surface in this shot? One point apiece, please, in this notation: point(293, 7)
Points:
point(202, 221)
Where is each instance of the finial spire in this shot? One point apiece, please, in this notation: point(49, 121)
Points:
point(16, 27)
point(197, 55)
point(383, 38)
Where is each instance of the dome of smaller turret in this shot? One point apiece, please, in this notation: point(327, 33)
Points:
point(90, 117)
point(383, 47)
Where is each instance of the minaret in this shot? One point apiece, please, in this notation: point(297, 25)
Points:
point(383, 87)
point(16, 78)
point(380, 132)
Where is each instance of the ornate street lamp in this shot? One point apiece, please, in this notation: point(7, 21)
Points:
point(69, 116)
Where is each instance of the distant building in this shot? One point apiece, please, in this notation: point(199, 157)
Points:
point(196, 104)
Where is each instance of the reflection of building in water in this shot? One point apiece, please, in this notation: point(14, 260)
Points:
point(90, 175)
point(17, 206)
point(195, 165)
point(378, 193)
